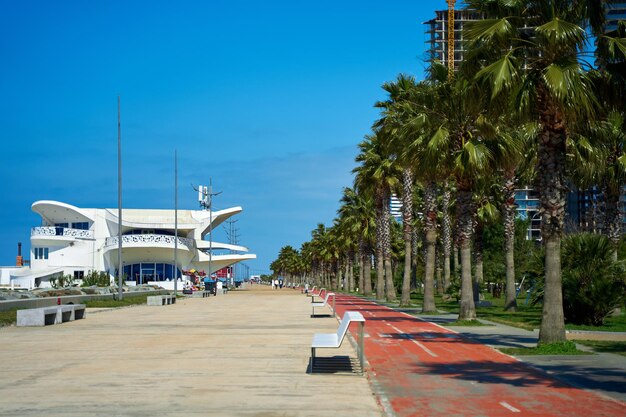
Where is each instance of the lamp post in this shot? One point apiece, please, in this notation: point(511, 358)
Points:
point(175, 223)
point(120, 270)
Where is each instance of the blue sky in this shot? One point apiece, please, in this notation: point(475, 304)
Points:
point(269, 99)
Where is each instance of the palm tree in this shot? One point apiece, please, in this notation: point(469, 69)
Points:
point(462, 137)
point(531, 50)
point(410, 113)
point(377, 174)
point(357, 213)
point(396, 117)
point(486, 212)
point(514, 157)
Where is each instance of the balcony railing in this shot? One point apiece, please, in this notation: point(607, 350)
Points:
point(61, 231)
point(149, 240)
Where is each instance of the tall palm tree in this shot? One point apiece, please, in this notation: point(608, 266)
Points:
point(462, 137)
point(531, 50)
point(514, 158)
point(377, 174)
point(395, 120)
point(411, 114)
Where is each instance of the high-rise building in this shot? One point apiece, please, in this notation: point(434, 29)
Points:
point(582, 206)
point(615, 11)
point(438, 31)
point(395, 206)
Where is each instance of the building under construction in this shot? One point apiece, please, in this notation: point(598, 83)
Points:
point(438, 29)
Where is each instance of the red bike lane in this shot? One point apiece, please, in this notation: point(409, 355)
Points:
point(422, 369)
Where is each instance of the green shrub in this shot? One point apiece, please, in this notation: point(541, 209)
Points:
point(593, 283)
point(62, 281)
point(97, 278)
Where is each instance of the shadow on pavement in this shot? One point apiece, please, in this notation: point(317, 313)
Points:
point(488, 372)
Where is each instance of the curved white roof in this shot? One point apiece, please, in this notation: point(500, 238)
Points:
point(57, 212)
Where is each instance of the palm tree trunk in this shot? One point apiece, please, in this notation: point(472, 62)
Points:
point(478, 256)
point(390, 289)
point(552, 328)
point(467, 308)
point(552, 195)
point(414, 257)
point(380, 236)
point(407, 224)
point(361, 284)
point(508, 214)
point(430, 228)
point(367, 272)
point(446, 234)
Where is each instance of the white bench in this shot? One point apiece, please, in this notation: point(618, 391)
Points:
point(333, 340)
point(319, 293)
point(310, 292)
point(323, 303)
point(50, 315)
point(161, 300)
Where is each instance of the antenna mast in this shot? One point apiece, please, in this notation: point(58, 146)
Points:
point(205, 197)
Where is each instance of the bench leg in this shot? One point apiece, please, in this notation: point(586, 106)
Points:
point(312, 358)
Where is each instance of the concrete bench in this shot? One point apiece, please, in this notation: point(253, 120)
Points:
point(50, 315)
point(161, 300)
point(323, 303)
point(334, 340)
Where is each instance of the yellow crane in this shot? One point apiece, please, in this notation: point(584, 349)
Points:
point(451, 4)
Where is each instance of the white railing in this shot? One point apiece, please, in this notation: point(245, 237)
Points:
point(149, 240)
point(61, 231)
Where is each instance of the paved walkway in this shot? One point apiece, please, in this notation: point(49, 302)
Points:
point(242, 354)
point(419, 368)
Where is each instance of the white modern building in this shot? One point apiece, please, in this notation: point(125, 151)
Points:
point(74, 241)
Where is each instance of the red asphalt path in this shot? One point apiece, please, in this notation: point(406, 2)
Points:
point(419, 368)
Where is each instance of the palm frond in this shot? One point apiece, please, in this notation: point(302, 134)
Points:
point(562, 33)
point(502, 74)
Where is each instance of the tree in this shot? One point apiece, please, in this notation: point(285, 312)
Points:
point(357, 212)
point(377, 175)
point(462, 136)
point(531, 49)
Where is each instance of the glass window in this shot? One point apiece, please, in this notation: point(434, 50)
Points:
point(169, 272)
point(160, 272)
point(136, 272)
point(41, 253)
point(80, 225)
point(62, 224)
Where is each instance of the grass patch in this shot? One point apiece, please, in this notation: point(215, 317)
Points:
point(611, 324)
point(8, 317)
point(467, 323)
point(128, 300)
point(561, 348)
point(526, 317)
point(618, 348)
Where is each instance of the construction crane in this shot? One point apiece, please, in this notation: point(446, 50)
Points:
point(451, 4)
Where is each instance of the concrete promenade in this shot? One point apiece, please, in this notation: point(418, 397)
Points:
point(242, 354)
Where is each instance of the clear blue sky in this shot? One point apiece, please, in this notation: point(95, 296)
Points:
point(268, 98)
